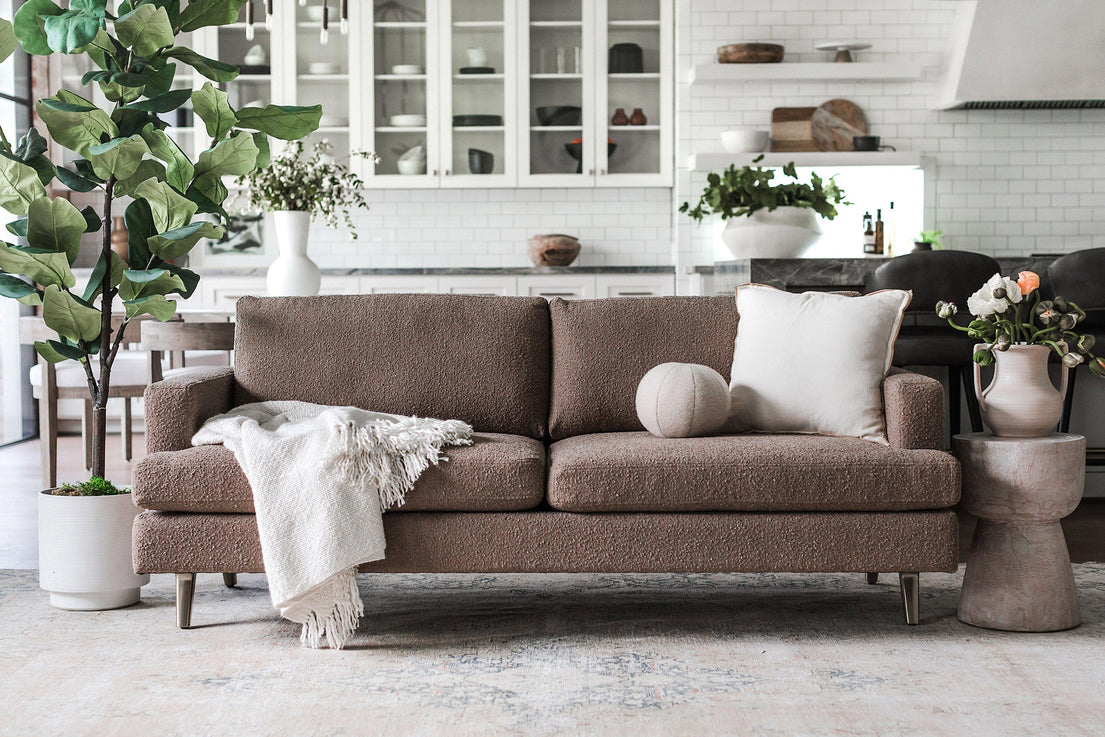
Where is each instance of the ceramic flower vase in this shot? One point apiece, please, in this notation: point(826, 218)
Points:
point(1021, 401)
point(293, 274)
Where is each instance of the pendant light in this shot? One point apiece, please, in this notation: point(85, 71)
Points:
point(324, 34)
point(268, 14)
point(249, 20)
point(344, 17)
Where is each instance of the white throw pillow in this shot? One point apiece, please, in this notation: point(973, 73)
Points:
point(813, 362)
point(682, 400)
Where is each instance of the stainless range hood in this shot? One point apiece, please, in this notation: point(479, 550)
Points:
point(1024, 54)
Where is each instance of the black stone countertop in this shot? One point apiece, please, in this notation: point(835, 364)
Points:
point(802, 274)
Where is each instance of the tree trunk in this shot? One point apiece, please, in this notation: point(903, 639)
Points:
point(107, 298)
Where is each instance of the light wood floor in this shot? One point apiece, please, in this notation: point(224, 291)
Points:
point(1085, 529)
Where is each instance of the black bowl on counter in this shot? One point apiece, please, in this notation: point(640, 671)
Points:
point(469, 121)
point(575, 150)
point(559, 115)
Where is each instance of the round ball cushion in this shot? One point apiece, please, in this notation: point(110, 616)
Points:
point(682, 400)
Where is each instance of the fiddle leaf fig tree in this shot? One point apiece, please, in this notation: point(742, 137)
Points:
point(121, 150)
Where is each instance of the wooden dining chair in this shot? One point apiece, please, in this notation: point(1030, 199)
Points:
point(177, 338)
point(53, 382)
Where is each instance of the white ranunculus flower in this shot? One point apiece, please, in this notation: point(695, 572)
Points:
point(983, 303)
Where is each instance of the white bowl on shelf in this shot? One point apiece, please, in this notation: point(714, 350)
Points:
point(412, 162)
point(745, 140)
point(314, 12)
point(323, 67)
point(407, 120)
point(333, 121)
point(408, 69)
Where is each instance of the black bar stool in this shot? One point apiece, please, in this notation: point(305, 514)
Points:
point(1080, 277)
point(927, 340)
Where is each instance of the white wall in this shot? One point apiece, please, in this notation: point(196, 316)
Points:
point(1005, 182)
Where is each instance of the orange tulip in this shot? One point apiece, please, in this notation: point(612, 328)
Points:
point(1028, 281)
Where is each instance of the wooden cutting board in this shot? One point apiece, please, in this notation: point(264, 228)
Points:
point(835, 122)
point(792, 129)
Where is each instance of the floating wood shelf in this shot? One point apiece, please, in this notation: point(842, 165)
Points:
point(712, 161)
point(714, 74)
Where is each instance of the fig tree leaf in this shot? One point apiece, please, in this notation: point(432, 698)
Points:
point(118, 157)
point(202, 13)
point(28, 28)
point(48, 268)
point(19, 186)
point(69, 318)
point(55, 225)
point(286, 122)
point(213, 69)
point(145, 30)
point(210, 104)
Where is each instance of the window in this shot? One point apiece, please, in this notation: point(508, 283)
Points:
point(18, 419)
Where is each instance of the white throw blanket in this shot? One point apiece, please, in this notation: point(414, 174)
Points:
point(322, 478)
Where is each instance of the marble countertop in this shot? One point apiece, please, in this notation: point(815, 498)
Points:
point(836, 273)
point(501, 271)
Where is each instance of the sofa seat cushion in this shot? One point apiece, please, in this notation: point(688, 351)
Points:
point(497, 473)
point(637, 472)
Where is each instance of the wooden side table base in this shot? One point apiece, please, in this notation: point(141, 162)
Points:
point(1019, 579)
point(1019, 576)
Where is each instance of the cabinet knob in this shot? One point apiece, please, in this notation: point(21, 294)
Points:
point(448, 173)
point(602, 172)
point(435, 172)
point(590, 172)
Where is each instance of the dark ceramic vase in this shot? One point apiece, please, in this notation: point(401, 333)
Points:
point(626, 58)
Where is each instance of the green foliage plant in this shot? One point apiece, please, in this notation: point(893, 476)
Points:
point(933, 237)
point(95, 486)
point(122, 150)
point(742, 192)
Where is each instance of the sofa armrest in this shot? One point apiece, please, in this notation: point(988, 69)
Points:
point(178, 406)
point(914, 407)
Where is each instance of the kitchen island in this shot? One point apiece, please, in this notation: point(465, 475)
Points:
point(830, 274)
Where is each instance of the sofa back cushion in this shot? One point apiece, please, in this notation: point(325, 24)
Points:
point(603, 347)
point(484, 360)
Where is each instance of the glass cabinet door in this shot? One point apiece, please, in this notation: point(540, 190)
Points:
point(479, 108)
point(556, 39)
point(323, 67)
point(635, 91)
point(402, 40)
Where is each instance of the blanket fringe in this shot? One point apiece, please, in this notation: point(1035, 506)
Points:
point(340, 594)
point(391, 455)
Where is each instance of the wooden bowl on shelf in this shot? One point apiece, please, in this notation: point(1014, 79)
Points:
point(555, 249)
point(750, 53)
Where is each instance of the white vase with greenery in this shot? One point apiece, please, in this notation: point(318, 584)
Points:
point(296, 189)
point(764, 219)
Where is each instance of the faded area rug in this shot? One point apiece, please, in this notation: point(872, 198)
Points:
point(552, 655)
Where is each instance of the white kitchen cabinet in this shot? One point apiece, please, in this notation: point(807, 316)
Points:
point(568, 47)
point(504, 286)
point(398, 284)
point(634, 285)
point(566, 286)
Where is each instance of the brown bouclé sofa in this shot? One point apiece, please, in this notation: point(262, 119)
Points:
point(561, 477)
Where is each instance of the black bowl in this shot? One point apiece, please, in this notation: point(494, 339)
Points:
point(559, 115)
point(575, 150)
point(480, 162)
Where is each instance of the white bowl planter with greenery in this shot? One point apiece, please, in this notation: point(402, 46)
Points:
point(120, 150)
point(765, 220)
point(84, 553)
point(296, 189)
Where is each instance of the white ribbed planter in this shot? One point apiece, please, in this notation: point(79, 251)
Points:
point(84, 551)
point(785, 232)
point(293, 274)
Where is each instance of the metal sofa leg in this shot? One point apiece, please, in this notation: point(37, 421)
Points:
point(910, 584)
point(230, 580)
point(872, 578)
point(185, 593)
